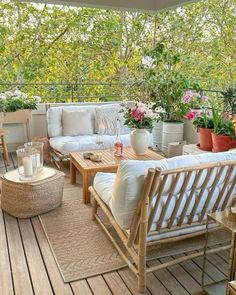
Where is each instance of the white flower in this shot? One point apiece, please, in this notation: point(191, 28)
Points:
point(37, 98)
point(147, 61)
point(20, 94)
point(2, 96)
point(9, 94)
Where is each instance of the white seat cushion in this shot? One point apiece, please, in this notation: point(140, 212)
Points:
point(103, 185)
point(67, 144)
point(130, 178)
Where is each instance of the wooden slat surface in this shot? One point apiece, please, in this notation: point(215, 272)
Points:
point(27, 266)
point(108, 160)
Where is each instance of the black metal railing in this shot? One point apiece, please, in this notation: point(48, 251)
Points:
point(84, 91)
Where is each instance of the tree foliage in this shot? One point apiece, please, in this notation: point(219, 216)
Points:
point(51, 43)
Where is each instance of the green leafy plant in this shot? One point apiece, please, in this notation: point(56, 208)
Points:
point(17, 100)
point(229, 99)
point(222, 123)
point(164, 82)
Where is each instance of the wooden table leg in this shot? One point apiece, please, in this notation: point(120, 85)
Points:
point(72, 173)
point(86, 183)
point(5, 151)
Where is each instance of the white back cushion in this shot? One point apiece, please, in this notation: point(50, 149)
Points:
point(106, 120)
point(130, 178)
point(54, 117)
point(77, 122)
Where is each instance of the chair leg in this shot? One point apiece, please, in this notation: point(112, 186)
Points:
point(142, 272)
point(95, 207)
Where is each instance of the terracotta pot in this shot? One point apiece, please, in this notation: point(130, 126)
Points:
point(221, 143)
point(205, 140)
point(233, 145)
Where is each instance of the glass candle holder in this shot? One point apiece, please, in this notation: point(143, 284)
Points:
point(38, 160)
point(25, 160)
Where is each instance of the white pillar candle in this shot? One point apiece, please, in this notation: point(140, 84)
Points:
point(28, 167)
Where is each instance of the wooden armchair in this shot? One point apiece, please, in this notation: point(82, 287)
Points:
point(187, 213)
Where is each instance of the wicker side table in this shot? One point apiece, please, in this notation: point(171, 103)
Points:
point(27, 199)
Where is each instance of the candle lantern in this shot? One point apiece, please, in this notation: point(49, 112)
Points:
point(26, 159)
point(38, 160)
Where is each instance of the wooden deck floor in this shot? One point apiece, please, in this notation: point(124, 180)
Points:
point(27, 267)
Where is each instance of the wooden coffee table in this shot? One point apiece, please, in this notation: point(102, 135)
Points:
point(109, 163)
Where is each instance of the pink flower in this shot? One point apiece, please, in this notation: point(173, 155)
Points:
point(191, 115)
point(189, 95)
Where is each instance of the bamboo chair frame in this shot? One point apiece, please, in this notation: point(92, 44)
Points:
point(136, 242)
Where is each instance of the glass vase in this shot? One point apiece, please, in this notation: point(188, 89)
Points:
point(25, 160)
point(38, 162)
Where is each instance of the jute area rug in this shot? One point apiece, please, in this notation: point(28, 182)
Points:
point(80, 246)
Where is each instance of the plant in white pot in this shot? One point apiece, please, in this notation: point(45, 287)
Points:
point(164, 84)
point(140, 119)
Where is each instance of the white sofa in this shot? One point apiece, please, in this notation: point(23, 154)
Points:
point(80, 141)
point(154, 202)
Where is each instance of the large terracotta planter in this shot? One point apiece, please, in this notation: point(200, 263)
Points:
point(221, 143)
point(205, 139)
point(233, 145)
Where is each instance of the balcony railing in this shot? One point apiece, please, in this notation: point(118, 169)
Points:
point(83, 91)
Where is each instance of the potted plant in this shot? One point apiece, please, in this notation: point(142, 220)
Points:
point(229, 102)
point(223, 132)
point(163, 84)
point(201, 117)
point(139, 118)
point(17, 106)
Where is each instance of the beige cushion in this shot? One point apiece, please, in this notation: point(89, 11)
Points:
point(77, 123)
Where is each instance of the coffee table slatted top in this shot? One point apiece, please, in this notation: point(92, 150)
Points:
point(109, 161)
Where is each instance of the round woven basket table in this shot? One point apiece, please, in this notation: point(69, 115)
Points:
point(26, 199)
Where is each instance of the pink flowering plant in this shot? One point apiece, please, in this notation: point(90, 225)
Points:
point(139, 116)
point(194, 99)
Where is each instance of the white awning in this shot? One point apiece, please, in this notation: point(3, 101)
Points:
point(135, 5)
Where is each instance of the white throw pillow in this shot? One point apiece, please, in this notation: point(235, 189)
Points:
point(77, 123)
point(106, 120)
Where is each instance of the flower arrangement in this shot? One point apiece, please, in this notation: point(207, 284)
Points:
point(139, 116)
point(11, 101)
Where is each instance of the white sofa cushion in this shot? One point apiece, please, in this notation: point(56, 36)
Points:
point(54, 116)
point(106, 120)
point(77, 122)
point(67, 144)
point(130, 178)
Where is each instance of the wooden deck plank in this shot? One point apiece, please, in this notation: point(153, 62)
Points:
point(21, 277)
point(59, 287)
point(81, 288)
point(183, 277)
point(39, 277)
point(210, 269)
point(168, 280)
point(155, 286)
point(6, 286)
point(195, 271)
point(98, 286)
point(131, 281)
point(116, 284)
